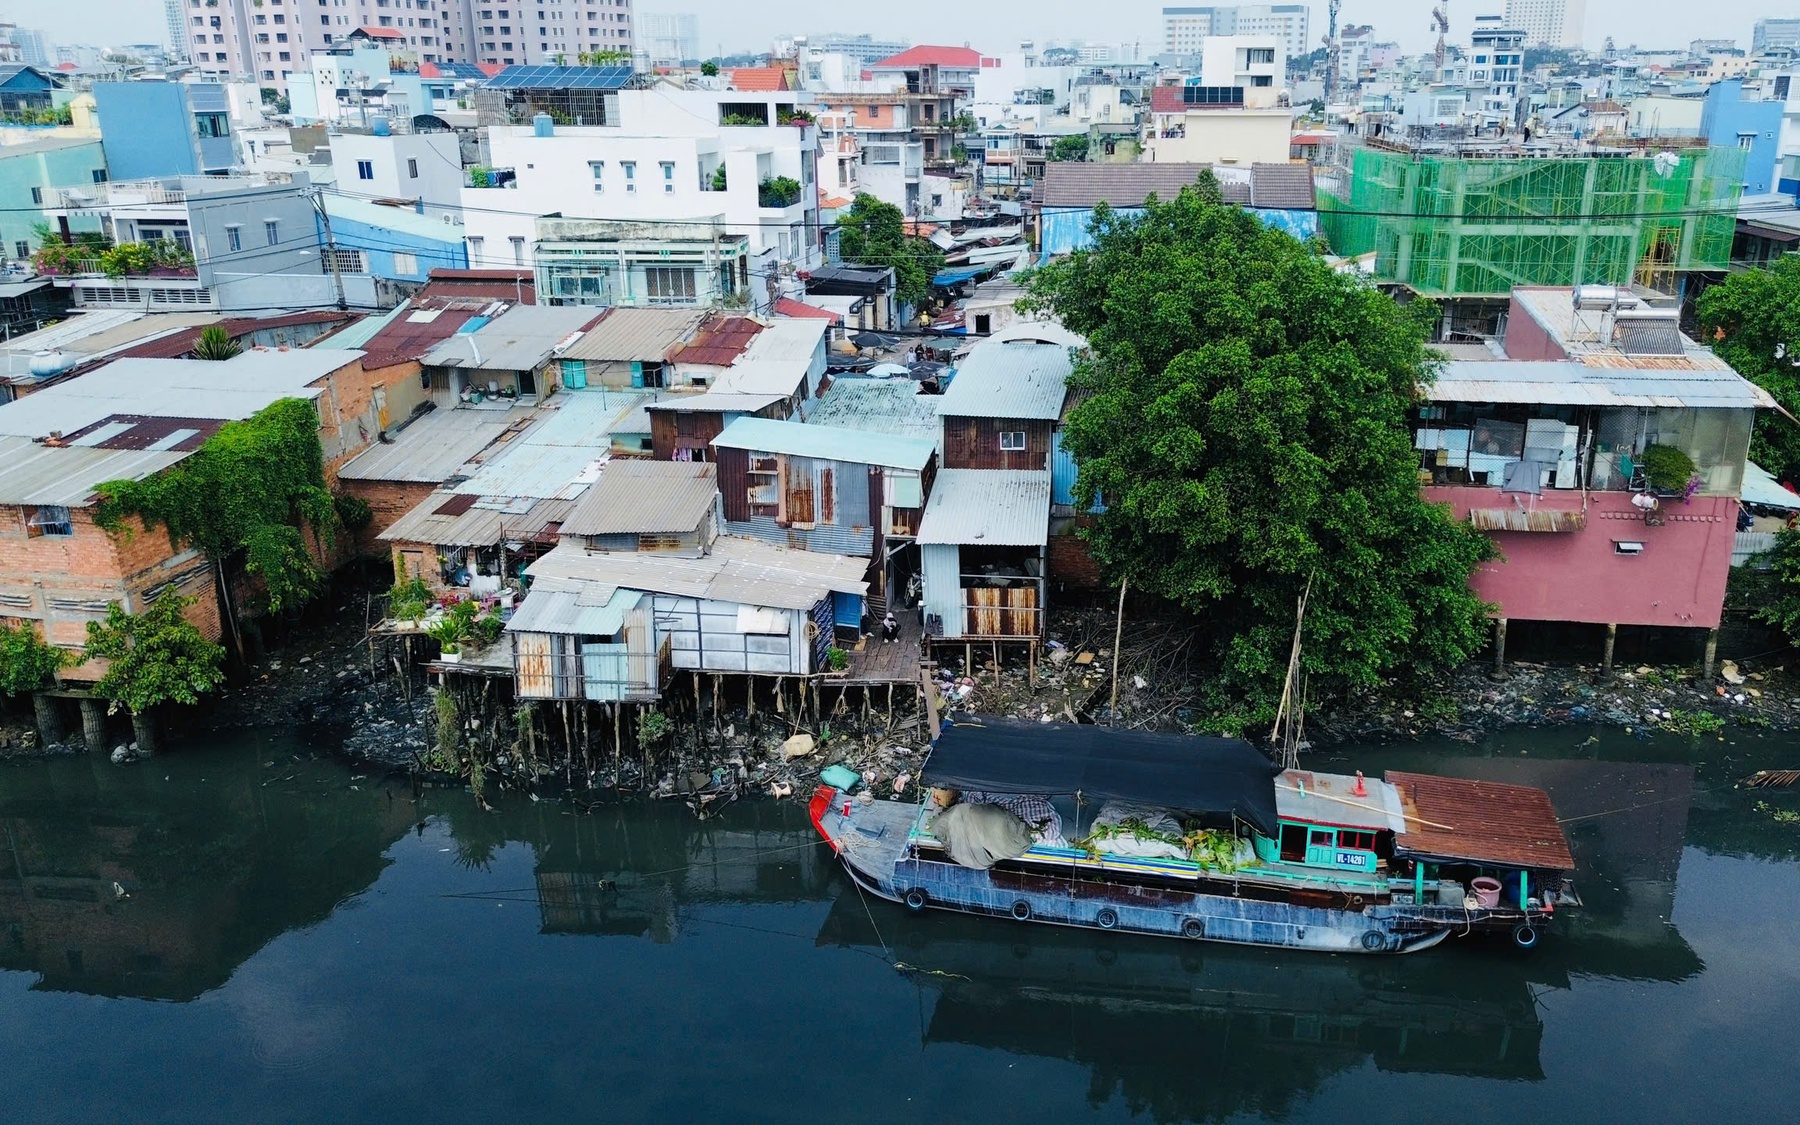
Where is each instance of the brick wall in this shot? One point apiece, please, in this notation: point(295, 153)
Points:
point(1071, 563)
point(388, 500)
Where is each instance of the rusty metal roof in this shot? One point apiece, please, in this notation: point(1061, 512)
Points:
point(721, 341)
point(1479, 821)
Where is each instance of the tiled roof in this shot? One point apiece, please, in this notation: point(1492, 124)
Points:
point(1286, 187)
point(1167, 99)
point(759, 78)
point(1079, 184)
point(721, 341)
point(381, 33)
point(923, 55)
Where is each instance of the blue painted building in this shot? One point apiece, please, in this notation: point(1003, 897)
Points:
point(1739, 117)
point(156, 129)
point(395, 243)
point(24, 87)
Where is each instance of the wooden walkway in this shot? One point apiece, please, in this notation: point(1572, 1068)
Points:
point(896, 662)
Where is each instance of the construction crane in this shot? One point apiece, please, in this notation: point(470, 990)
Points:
point(1440, 21)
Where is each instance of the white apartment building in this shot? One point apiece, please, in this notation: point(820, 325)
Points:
point(1185, 29)
point(1548, 23)
point(269, 40)
point(1774, 34)
point(669, 182)
point(669, 38)
point(1496, 60)
point(425, 168)
point(1257, 64)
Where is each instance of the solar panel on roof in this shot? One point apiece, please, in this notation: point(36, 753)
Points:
point(561, 78)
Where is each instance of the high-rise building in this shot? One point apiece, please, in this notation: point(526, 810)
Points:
point(1548, 23)
point(271, 39)
point(32, 49)
point(669, 37)
point(1185, 29)
point(1774, 34)
point(175, 24)
point(862, 48)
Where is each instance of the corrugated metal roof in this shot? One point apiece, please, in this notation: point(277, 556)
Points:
point(33, 473)
point(360, 333)
point(1575, 383)
point(179, 388)
point(722, 339)
point(96, 334)
point(788, 339)
point(715, 402)
point(645, 498)
point(641, 335)
point(739, 570)
point(1482, 821)
point(886, 406)
point(988, 507)
point(831, 443)
point(478, 526)
point(1079, 184)
point(1012, 381)
point(519, 339)
point(1033, 332)
point(434, 448)
point(748, 376)
point(560, 605)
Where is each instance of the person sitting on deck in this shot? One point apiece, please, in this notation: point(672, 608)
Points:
point(890, 627)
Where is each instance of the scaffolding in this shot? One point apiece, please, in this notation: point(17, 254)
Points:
point(1449, 226)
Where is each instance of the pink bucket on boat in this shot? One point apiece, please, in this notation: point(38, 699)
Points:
point(1487, 891)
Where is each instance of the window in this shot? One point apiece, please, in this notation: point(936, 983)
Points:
point(365, 169)
point(1012, 441)
point(669, 285)
point(37, 195)
point(406, 263)
point(475, 245)
point(598, 168)
point(668, 171)
point(1361, 841)
point(47, 520)
point(234, 239)
point(271, 232)
point(518, 249)
point(412, 169)
point(630, 167)
point(21, 249)
point(99, 175)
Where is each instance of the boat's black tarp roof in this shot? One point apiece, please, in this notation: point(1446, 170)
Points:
point(1216, 775)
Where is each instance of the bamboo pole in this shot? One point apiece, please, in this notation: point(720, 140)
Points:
point(1112, 717)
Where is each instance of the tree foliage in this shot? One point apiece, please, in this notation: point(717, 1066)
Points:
point(709, 68)
point(1752, 320)
point(874, 233)
point(216, 344)
point(1243, 415)
point(246, 492)
point(157, 656)
point(27, 661)
point(1069, 148)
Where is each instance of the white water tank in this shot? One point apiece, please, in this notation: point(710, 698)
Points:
point(46, 364)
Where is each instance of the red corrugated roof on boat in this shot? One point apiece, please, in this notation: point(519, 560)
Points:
point(1480, 821)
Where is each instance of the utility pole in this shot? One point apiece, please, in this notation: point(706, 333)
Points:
point(330, 249)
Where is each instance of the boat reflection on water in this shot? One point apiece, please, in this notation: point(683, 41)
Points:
point(1203, 1030)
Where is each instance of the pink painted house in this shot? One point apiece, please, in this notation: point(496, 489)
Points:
point(1541, 442)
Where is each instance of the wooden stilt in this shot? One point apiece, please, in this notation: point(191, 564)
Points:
point(1712, 652)
point(612, 710)
point(781, 695)
point(1606, 656)
point(1499, 648)
point(750, 693)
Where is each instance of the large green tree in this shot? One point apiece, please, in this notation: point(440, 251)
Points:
point(154, 657)
point(874, 233)
point(246, 498)
point(1752, 320)
point(28, 663)
point(1243, 418)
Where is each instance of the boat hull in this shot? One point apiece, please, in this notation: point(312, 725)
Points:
point(875, 855)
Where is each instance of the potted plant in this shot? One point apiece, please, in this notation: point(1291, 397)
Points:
point(1669, 470)
point(837, 659)
point(447, 631)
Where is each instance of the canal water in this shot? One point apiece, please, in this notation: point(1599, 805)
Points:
point(247, 932)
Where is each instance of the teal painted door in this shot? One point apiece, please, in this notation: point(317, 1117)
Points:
point(603, 672)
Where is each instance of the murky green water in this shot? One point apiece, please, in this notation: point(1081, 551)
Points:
point(234, 933)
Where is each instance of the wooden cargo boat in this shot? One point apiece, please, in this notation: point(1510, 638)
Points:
point(1292, 859)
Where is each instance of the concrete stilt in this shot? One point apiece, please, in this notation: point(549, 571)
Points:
point(93, 725)
point(1499, 648)
point(1712, 652)
point(49, 718)
point(1606, 657)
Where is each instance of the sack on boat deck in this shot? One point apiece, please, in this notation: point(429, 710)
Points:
point(980, 836)
point(1137, 830)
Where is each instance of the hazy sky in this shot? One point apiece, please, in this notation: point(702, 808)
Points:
point(999, 26)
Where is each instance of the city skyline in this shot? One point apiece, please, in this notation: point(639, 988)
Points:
point(733, 28)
